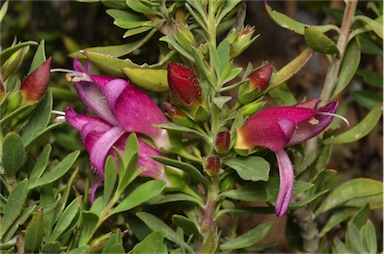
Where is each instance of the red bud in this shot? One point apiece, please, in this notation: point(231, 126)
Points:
point(260, 77)
point(35, 84)
point(184, 85)
point(223, 141)
point(212, 165)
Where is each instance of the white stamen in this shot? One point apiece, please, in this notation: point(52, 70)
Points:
point(74, 76)
point(59, 119)
point(335, 115)
point(57, 112)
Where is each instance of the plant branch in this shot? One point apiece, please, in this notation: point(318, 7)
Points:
point(333, 70)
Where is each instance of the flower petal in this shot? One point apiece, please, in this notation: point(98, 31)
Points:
point(286, 183)
point(314, 125)
point(101, 148)
point(136, 111)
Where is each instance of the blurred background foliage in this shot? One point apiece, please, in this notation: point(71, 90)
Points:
point(67, 26)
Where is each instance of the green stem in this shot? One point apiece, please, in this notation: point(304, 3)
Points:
point(333, 70)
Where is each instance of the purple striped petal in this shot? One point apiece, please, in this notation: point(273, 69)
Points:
point(286, 183)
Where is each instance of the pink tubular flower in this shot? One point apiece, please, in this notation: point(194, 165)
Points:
point(121, 109)
point(99, 137)
point(280, 127)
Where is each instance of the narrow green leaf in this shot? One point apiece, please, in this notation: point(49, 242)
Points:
point(221, 101)
point(38, 119)
point(319, 42)
point(3, 10)
point(66, 219)
point(20, 221)
point(155, 80)
point(126, 19)
point(366, 99)
point(369, 237)
point(128, 171)
point(360, 130)
point(188, 168)
point(337, 217)
point(353, 239)
point(157, 225)
point(6, 53)
point(177, 197)
point(140, 195)
point(290, 69)
point(293, 25)
point(49, 203)
point(41, 164)
point(14, 153)
point(348, 68)
point(39, 58)
point(114, 244)
point(252, 168)
point(136, 31)
point(152, 244)
point(14, 206)
point(352, 189)
point(90, 220)
point(223, 51)
point(376, 25)
point(371, 78)
point(51, 247)
point(186, 224)
point(34, 233)
point(340, 247)
point(140, 7)
point(57, 172)
point(110, 177)
point(249, 238)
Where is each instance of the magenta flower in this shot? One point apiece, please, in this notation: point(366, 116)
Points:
point(280, 127)
point(121, 104)
point(99, 137)
point(121, 109)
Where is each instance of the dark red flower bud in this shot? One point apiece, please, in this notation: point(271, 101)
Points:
point(223, 141)
point(184, 86)
point(177, 115)
point(260, 78)
point(2, 92)
point(212, 165)
point(35, 84)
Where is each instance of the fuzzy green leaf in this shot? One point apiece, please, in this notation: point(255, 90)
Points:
point(360, 130)
point(14, 206)
point(152, 244)
point(39, 57)
point(319, 42)
point(34, 233)
point(252, 168)
point(110, 177)
point(14, 153)
point(355, 188)
point(57, 172)
point(249, 238)
point(140, 195)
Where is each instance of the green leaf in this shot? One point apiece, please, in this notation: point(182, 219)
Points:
point(223, 51)
point(127, 20)
point(3, 11)
point(319, 42)
point(114, 244)
point(376, 25)
point(340, 247)
point(353, 239)
point(51, 247)
point(252, 168)
point(20, 221)
point(155, 80)
point(57, 172)
point(8, 52)
point(138, 6)
point(14, 206)
point(14, 153)
point(360, 130)
point(90, 220)
point(249, 238)
point(12, 64)
point(140, 195)
point(188, 168)
point(371, 78)
point(369, 237)
point(129, 162)
point(348, 68)
point(290, 69)
point(38, 119)
point(157, 225)
point(337, 217)
point(220, 101)
point(350, 190)
point(366, 99)
point(177, 197)
point(49, 203)
point(136, 31)
point(41, 164)
point(152, 244)
point(34, 233)
point(186, 224)
point(65, 220)
point(293, 25)
point(39, 57)
point(110, 177)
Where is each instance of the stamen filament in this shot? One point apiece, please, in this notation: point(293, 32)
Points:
point(335, 115)
point(74, 76)
point(58, 112)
